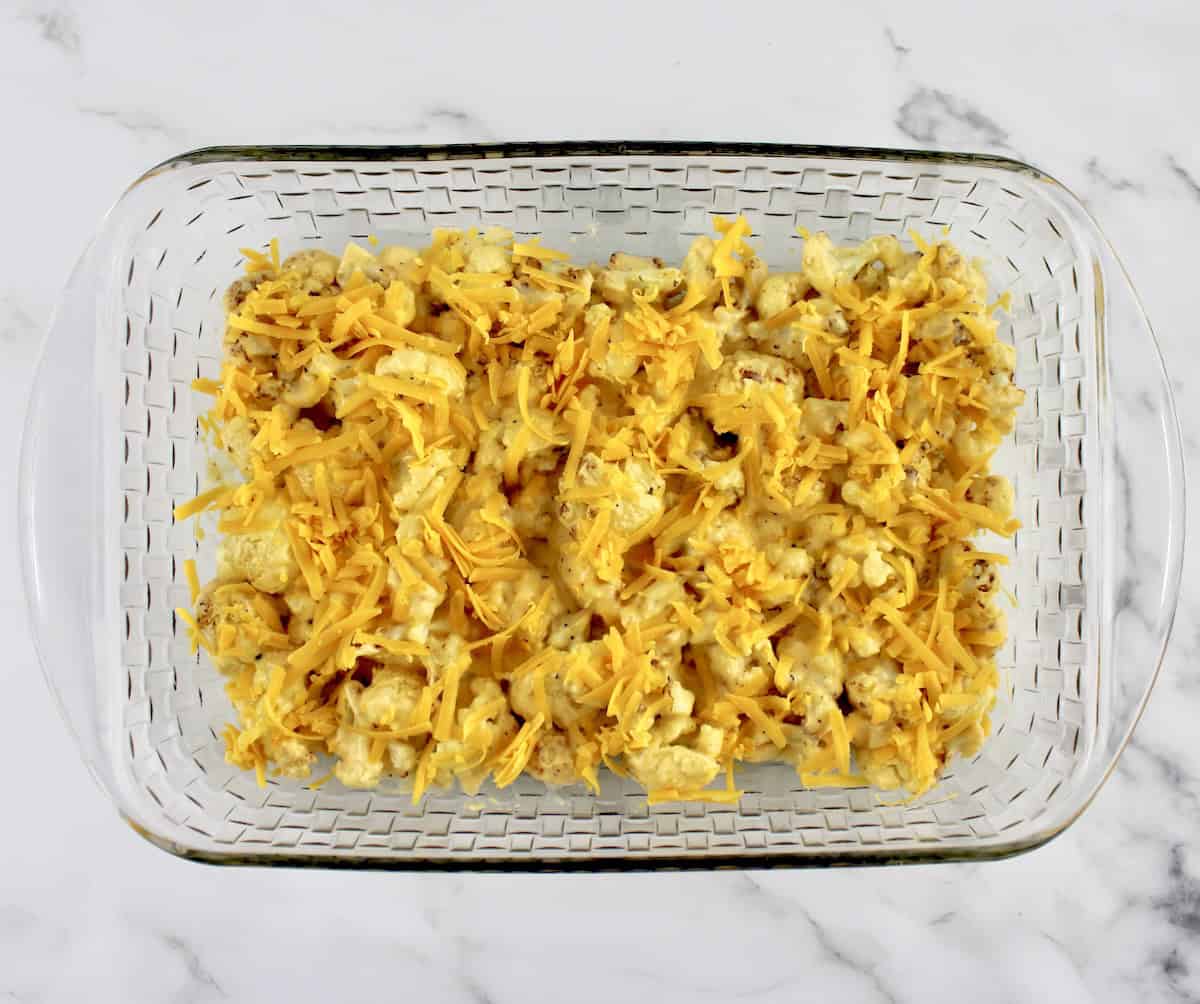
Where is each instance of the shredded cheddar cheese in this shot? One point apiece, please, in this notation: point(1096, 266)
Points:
point(501, 515)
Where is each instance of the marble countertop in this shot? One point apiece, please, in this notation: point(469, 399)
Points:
point(1099, 98)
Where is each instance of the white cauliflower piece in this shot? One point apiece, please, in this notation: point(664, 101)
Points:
point(564, 711)
point(821, 418)
point(512, 598)
point(780, 291)
point(358, 259)
point(743, 674)
point(753, 373)
point(354, 768)
point(824, 265)
point(263, 558)
point(553, 760)
point(876, 571)
point(672, 766)
point(578, 573)
point(484, 726)
point(494, 442)
point(636, 488)
point(489, 259)
point(315, 270)
point(628, 274)
point(994, 493)
point(421, 603)
point(620, 362)
point(814, 678)
point(416, 481)
point(236, 436)
point(388, 701)
point(292, 756)
point(220, 606)
point(489, 252)
point(427, 368)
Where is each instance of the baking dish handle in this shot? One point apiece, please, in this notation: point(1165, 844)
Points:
point(1142, 452)
point(60, 517)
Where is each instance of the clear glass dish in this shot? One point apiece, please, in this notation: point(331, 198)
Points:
point(111, 446)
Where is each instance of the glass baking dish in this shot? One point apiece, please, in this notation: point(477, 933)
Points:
point(111, 446)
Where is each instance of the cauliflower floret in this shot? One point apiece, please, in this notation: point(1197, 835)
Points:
point(729, 548)
point(488, 258)
point(576, 300)
point(752, 282)
point(997, 358)
point(540, 454)
point(876, 571)
point(487, 253)
point(874, 681)
point(875, 496)
point(512, 598)
point(313, 270)
point(627, 274)
point(396, 256)
point(401, 300)
point(676, 720)
point(313, 382)
point(673, 767)
point(821, 418)
point(569, 632)
point(532, 508)
point(301, 610)
point(388, 701)
point(239, 289)
point(620, 361)
point(239, 606)
point(418, 480)
point(553, 761)
point(359, 259)
point(421, 603)
point(292, 756)
point(236, 436)
point(446, 648)
point(968, 741)
point(780, 291)
point(956, 273)
point(790, 566)
point(883, 698)
point(993, 492)
point(477, 502)
point(442, 372)
point(755, 373)
point(263, 558)
point(825, 265)
point(864, 641)
point(867, 550)
point(692, 441)
point(380, 653)
point(637, 492)
point(564, 711)
point(355, 767)
point(654, 602)
point(744, 674)
point(813, 678)
point(578, 573)
point(698, 266)
point(485, 725)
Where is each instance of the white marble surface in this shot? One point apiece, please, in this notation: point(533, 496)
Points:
point(94, 93)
